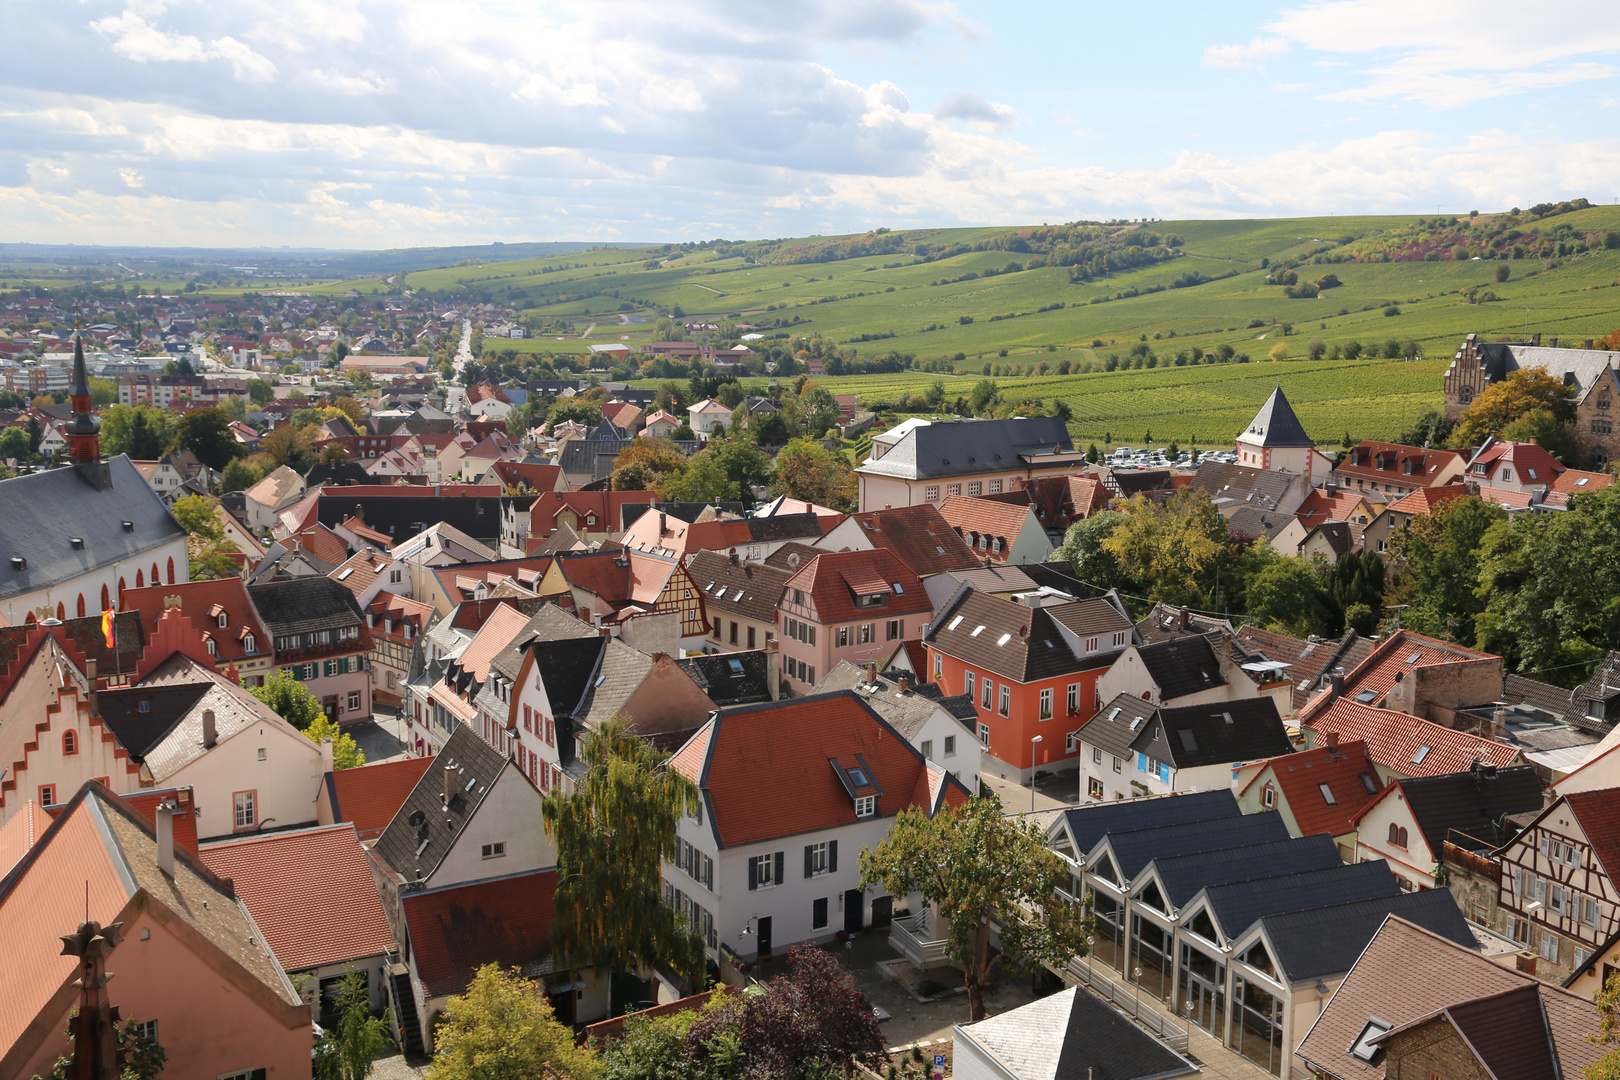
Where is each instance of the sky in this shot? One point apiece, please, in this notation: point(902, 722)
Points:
point(394, 123)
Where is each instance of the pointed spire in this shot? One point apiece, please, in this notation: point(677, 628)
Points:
point(81, 377)
point(84, 430)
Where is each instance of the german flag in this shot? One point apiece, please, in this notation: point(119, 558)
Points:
point(107, 626)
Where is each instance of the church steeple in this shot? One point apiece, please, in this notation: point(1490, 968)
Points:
point(84, 430)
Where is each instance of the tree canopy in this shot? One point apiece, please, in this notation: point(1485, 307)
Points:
point(809, 471)
point(290, 700)
point(1523, 392)
point(207, 433)
point(502, 1028)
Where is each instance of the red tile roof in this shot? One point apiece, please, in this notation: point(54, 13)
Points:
point(1507, 498)
point(1401, 652)
point(202, 602)
point(322, 543)
point(366, 532)
point(1300, 776)
point(605, 505)
point(1424, 500)
point(1398, 741)
point(830, 579)
point(1599, 815)
point(1427, 465)
point(986, 517)
point(516, 473)
point(527, 572)
point(456, 930)
point(371, 795)
point(919, 536)
point(1534, 464)
point(1576, 482)
point(795, 743)
point(496, 634)
point(360, 569)
point(286, 878)
point(1319, 506)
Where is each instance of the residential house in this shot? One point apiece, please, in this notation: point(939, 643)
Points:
point(610, 588)
point(708, 416)
point(275, 875)
point(1417, 1003)
point(1513, 466)
point(662, 533)
point(919, 536)
point(1397, 515)
point(1069, 1035)
point(223, 613)
point(1402, 745)
point(1557, 896)
point(1479, 364)
point(368, 796)
point(1395, 470)
point(933, 460)
point(1132, 748)
point(1418, 675)
point(442, 544)
point(1007, 582)
point(189, 960)
point(1026, 667)
point(840, 773)
point(846, 605)
point(740, 598)
point(1236, 487)
point(1309, 664)
point(163, 477)
point(395, 623)
point(269, 495)
point(321, 638)
point(1327, 541)
point(736, 678)
point(999, 533)
point(661, 425)
point(1409, 823)
point(1179, 671)
point(595, 516)
point(1275, 440)
point(1595, 706)
point(944, 729)
point(1317, 791)
point(1357, 508)
point(1060, 501)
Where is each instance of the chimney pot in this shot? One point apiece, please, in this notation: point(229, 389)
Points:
point(904, 683)
point(210, 731)
point(1588, 343)
point(1499, 726)
point(165, 838)
point(449, 773)
point(871, 675)
point(1336, 685)
point(1333, 738)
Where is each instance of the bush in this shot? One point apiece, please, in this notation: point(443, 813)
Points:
point(1392, 310)
point(1503, 272)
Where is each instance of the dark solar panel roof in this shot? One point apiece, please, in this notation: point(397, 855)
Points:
point(1089, 824)
point(1325, 941)
point(1236, 905)
point(1134, 850)
point(1184, 875)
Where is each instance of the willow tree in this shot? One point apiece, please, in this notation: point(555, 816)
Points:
point(976, 867)
point(612, 832)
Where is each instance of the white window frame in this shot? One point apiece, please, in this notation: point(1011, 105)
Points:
point(248, 800)
point(1046, 703)
point(865, 806)
point(496, 850)
point(1552, 939)
point(818, 859)
point(1004, 704)
point(984, 734)
point(765, 870)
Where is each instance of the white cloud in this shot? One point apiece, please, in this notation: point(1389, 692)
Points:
point(1252, 55)
point(137, 39)
point(974, 108)
point(1448, 53)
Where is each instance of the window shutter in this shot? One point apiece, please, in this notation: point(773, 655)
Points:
point(832, 856)
point(809, 856)
point(708, 873)
point(780, 867)
point(753, 874)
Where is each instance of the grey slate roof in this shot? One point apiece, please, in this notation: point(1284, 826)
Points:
point(1258, 523)
point(1604, 686)
point(620, 671)
point(1475, 803)
point(1325, 941)
point(1235, 905)
point(735, 678)
point(422, 832)
point(550, 623)
point(1182, 666)
point(1231, 486)
point(906, 712)
point(1584, 367)
point(1218, 733)
point(44, 510)
point(305, 605)
point(1073, 1035)
point(1276, 424)
point(964, 447)
point(750, 590)
point(1183, 876)
point(137, 730)
point(1089, 824)
point(1134, 850)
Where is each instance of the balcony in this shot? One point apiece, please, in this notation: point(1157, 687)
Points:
point(910, 938)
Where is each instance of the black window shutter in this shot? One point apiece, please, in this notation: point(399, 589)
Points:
point(708, 872)
point(832, 856)
point(753, 875)
point(780, 867)
point(809, 856)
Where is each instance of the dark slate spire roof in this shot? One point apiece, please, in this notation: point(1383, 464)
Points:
point(85, 422)
point(1276, 425)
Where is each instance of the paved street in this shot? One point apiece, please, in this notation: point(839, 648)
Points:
point(382, 738)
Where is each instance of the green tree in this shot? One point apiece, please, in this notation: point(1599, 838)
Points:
point(502, 1028)
point(290, 446)
point(260, 392)
point(141, 431)
point(809, 471)
point(1092, 454)
point(207, 433)
point(1285, 595)
point(647, 464)
point(1279, 351)
point(703, 480)
point(348, 1051)
point(289, 699)
point(983, 395)
point(1439, 553)
point(1083, 549)
point(346, 753)
point(973, 865)
point(935, 394)
point(818, 411)
point(1541, 427)
point(1170, 551)
point(14, 444)
point(239, 475)
point(613, 832)
point(578, 410)
point(1500, 404)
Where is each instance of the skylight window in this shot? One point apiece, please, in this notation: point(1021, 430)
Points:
point(1361, 1049)
point(1136, 722)
point(1366, 696)
point(897, 588)
point(977, 630)
point(1369, 783)
point(1414, 658)
point(1581, 482)
point(1188, 741)
point(1327, 794)
point(1417, 758)
point(1003, 639)
point(1114, 715)
point(955, 623)
point(859, 778)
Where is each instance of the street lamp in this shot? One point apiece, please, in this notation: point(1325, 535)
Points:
point(1136, 990)
point(1035, 739)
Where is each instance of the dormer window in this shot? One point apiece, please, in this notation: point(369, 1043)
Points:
point(247, 644)
point(865, 805)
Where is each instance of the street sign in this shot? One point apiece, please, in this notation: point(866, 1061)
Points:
point(939, 1067)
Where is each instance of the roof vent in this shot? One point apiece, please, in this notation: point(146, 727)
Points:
point(19, 563)
point(76, 542)
point(129, 526)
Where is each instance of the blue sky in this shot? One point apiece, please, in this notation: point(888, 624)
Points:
point(384, 123)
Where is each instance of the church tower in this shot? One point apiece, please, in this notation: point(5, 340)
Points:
point(83, 432)
point(1276, 440)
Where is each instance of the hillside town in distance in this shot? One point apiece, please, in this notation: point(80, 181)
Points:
point(364, 699)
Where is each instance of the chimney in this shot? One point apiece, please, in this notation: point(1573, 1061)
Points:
point(1525, 962)
point(1184, 618)
point(1535, 339)
point(165, 838)
point(1499, 727)
point(871, 675)
point(210, 731)
point(1588, 343)
point(1332, 738)
point(91, 695)
point(1336, 685)
point(733, 556)
point(1552, 343)
point(773, 669)
point(449, 773)
point(326, 756)
point(904, 682)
